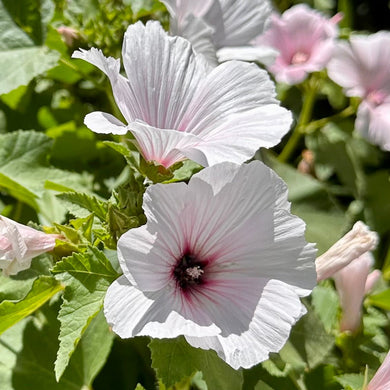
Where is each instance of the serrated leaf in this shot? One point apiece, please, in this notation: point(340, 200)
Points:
point(86, 201)
point(28, 351)
point(87, 277)
point(352, 381)
point(42, 290)
point(381, 300)
point(175, 359)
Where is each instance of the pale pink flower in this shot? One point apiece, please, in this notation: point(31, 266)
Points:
point(19, 244)
point(68, 34)
point(178, 106)
point(305, 40)
point(353, 282)
point(214, 24)
point(221, 261)
point(361, 67)
point(355, 243)
point(381, 380)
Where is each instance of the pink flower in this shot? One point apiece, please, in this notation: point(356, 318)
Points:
point(361, 67)
point(381, 380)
point(355, 243)
point(305, 40)
point(19, 244)
point(214, 24)
point(353, 282)
point(221, 261)
point(178, 106)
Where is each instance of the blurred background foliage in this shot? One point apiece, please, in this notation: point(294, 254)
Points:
point(44, 97)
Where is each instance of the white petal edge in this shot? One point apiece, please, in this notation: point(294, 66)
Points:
point(104, 123)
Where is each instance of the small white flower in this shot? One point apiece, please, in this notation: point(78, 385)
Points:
point(221, 261)
point(19, 244)
point(178, 106)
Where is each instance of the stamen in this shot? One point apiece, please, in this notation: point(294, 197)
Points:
point(299, 58)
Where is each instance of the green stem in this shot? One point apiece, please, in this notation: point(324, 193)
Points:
point(299, 130)
point(313, 126)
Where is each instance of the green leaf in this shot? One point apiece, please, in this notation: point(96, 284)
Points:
point(42, 290)
point(175, 359)
point(24, 169)
point(351, 381)
point(20, 66)
point(262, 386)
point(87, 277)
point(310, 340)
point(381, 300)
point(326, 305)
point(86, 201)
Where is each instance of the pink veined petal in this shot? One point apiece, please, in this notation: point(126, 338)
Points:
point(163, 74)
point(278, 309)
point(148, 264)
point(103, 123)
point(148, 315)
point(381, 380)
point(350, 283)
point(165, 146)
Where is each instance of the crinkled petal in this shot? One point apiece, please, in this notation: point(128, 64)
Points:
point(103, 123)
point(150, 315)
point(278, 309)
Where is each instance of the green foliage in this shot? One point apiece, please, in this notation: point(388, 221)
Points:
point(86, 276)
point(41, 291)
point(28, 351)
point(175, 359)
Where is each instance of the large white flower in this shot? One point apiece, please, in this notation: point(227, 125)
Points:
point(19, 244)
point(178, 106)
point(221, 261)
point(218, 25)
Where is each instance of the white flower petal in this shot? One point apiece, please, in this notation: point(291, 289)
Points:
point(103, 123)
point(111, 67)
point(278, 309)
point(163, 74)
point(263, 54)
point(164, 146)
point(148, 316)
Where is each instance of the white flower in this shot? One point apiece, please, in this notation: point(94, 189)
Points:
point(177, 106)
point(19, 244)
point(211, 25)
point(221, 261)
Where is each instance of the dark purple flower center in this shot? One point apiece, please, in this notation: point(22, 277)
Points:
point(188, 272)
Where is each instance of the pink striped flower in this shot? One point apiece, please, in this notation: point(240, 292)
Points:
point(381, 380)
point(221, 261)
point(361, 67)
point(19, 244)
point(211, 25)
point(305, 40)
point(178, 106)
